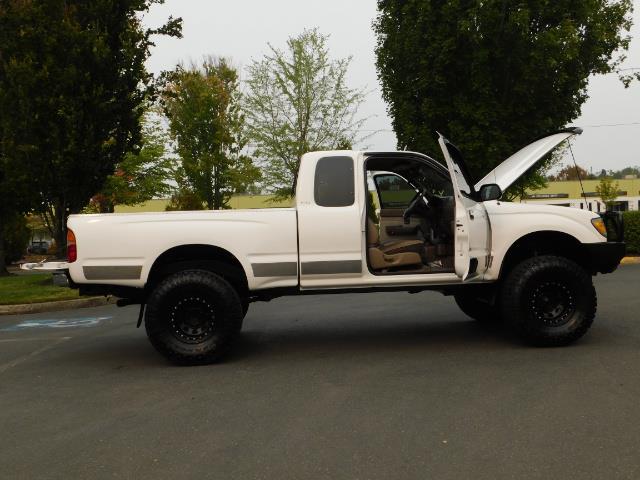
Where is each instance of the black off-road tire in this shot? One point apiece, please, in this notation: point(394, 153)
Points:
point(548, 301)
point(477, 309)
point(193, 316)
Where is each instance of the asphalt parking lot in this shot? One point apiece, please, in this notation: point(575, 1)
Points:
point(349, 386)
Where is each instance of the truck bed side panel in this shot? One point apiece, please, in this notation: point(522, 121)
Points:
point(120, 249)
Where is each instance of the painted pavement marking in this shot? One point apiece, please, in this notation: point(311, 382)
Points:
point(31, 339)
point(56, 323)
point(18, 361)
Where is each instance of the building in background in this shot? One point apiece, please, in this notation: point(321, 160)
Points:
point(569, 194)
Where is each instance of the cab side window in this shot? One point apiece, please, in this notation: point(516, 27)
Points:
point(334, 182)
point(394, 191)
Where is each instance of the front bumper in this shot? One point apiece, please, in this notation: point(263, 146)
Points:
point(605, 257)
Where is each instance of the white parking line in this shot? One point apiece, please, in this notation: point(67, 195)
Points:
point(18, 361)
point(36, 339)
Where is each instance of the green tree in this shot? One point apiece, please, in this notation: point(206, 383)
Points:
point(141, 175)
point(571, 172)
point(608, 191)
point(492, 74)
point(16, 235)
point(17, 160)
point(74, 77)
point(202, 104)
point(620, 174)
point(16, 191)
point(298, 101)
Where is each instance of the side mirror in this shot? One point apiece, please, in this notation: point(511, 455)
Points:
point(490, 191)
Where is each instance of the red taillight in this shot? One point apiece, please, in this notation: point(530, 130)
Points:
point(72, 250)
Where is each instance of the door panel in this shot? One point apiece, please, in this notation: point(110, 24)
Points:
point(473, 231)
point(472, 237)
point(392, 217)
point(330, 225)
point(330, 243)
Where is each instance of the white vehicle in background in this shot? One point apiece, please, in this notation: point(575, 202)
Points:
point(363, 222)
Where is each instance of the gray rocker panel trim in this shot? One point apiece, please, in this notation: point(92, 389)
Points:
point(124, 272)
point(290, 269)
point(276, 269)
point(331, 267)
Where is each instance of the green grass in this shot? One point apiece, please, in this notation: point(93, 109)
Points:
point(17, 289)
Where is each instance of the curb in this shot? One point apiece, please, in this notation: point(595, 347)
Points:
point(55, 306)
point(630, 261)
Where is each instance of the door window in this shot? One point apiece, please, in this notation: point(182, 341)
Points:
point(459, 169)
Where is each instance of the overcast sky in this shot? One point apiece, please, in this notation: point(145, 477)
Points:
point(241, 29)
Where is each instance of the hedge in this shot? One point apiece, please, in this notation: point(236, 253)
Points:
point(632, 231)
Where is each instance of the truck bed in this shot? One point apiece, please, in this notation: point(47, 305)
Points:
point(120, 249)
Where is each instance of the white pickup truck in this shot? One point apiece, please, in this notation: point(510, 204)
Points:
point(363, 222)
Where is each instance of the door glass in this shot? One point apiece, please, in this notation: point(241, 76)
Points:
point(458, 167)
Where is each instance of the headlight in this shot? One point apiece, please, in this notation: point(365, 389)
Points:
point(599, 225)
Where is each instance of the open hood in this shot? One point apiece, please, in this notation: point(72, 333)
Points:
point(520, 162)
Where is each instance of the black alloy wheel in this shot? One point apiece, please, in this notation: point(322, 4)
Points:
point(192, 319)
point(553, 303)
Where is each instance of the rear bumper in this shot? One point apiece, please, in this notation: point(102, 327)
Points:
point(605, 257)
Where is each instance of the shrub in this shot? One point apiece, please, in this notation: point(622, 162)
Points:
point(184, 200)
point(632, 231)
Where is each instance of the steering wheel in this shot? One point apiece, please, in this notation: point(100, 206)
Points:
point(413, 204)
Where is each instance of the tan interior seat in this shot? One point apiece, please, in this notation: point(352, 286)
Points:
point(392, 254)
point(393, 246)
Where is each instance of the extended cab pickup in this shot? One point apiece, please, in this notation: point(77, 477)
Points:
point(363, 221)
